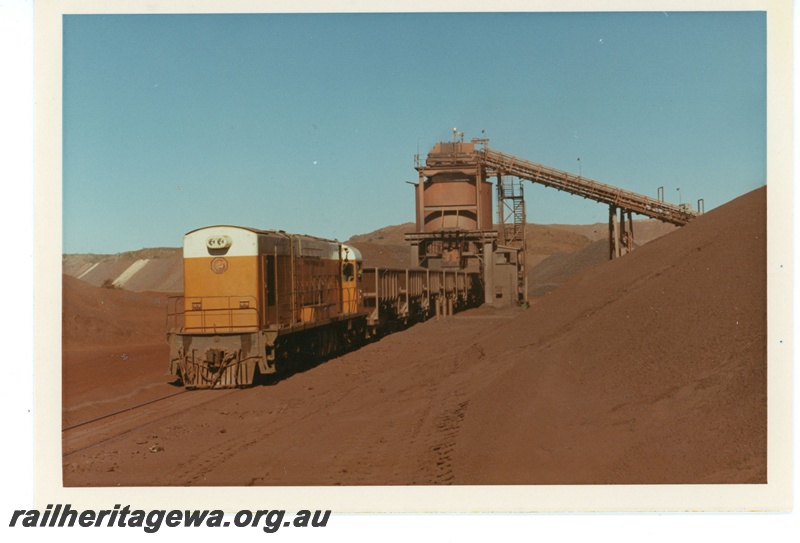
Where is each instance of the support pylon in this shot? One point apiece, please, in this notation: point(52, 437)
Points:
point(620, 232)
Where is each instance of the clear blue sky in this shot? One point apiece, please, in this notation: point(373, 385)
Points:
point(310, 123)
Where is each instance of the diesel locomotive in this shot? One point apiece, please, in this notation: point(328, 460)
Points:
point(257, 302)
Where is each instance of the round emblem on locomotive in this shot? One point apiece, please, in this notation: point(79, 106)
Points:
point(219, 265)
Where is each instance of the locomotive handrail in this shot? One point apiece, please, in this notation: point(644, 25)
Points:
point(207, 316)
point(173, 314)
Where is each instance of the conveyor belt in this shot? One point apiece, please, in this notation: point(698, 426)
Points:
point(574, 184)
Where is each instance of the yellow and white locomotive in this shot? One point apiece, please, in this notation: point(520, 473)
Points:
point(256, 300)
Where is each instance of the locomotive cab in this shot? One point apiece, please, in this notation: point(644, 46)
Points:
point(350, 258)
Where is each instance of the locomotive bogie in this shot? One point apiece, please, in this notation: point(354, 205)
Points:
point(218, 361)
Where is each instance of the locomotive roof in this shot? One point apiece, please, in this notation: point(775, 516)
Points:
point(281, 233)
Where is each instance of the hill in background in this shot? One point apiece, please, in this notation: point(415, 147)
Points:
point(554, 253)
point(158, 270)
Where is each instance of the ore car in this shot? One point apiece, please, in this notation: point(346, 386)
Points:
point(257, 301)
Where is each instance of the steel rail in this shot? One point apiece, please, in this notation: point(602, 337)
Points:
point(128, 430)
point(114, 413)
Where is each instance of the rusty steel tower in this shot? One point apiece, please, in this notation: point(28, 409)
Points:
point(454, 227)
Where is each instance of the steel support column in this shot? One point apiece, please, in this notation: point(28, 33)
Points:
point(415, 259)
point(500, 210)
point(488, 272)
point(620, 232)
point(421, 203)
point(613, 232)
point(629, 232)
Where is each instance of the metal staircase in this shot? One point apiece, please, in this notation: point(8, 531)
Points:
point(511, 204)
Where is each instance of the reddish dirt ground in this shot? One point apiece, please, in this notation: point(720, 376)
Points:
point(647, 369)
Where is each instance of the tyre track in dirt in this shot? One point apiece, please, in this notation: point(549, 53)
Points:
point(381, 415)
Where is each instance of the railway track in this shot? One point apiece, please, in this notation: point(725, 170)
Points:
point(105, 428)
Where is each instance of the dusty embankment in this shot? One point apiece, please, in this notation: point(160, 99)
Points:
point(114, 349)
point(650, 369)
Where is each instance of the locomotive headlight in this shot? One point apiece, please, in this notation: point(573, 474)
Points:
point(219, 242)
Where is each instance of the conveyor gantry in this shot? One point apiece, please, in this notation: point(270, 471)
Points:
point(454, 218)
point(575, 184)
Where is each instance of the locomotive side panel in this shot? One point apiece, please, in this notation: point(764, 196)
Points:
point(274, 263)
point(307, 282)
point(318, 292)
